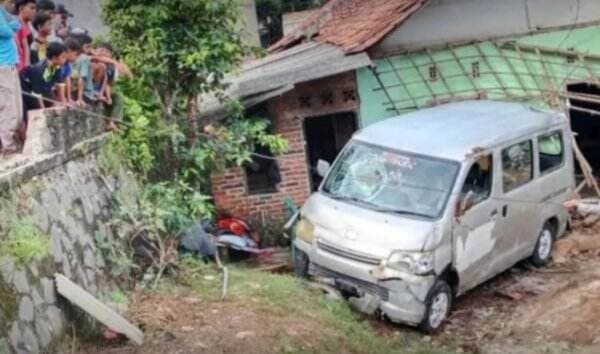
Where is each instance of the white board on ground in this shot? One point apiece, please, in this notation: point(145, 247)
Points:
point(95, 308)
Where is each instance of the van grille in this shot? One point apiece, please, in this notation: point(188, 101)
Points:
point(355, 256)
point(342, 280)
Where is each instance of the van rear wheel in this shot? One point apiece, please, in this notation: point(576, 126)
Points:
point(543, 247)
point(439, 303)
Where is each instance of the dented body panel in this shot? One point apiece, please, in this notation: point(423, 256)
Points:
point(490, 220)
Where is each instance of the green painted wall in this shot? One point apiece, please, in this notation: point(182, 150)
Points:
point(504, 73)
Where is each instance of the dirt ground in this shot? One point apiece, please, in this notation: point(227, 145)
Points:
point(555, 309)
point(525, 310)
point(186, 324)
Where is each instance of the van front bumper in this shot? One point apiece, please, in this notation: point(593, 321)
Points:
point(400, 300)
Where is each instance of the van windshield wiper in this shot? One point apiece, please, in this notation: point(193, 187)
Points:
point(345, 199)
point(375, 207)
point(401, 212)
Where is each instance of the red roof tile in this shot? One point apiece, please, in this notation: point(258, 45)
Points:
point(353, 25)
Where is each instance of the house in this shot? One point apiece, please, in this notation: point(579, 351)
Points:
point(395, 56)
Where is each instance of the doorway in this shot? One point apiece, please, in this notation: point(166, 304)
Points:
point(325, 137)
point(585, 121)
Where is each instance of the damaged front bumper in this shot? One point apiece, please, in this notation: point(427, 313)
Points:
point(401, 298)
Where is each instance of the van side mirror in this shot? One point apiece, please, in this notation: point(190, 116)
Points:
point(323, 168)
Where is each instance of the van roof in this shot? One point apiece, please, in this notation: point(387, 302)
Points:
point(452, 131)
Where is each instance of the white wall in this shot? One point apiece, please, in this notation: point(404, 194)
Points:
point(448, 21)
point(87, 14)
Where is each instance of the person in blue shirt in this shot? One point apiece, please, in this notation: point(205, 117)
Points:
point(11, 106)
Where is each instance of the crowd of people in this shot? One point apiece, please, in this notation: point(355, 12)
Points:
point(45, 62)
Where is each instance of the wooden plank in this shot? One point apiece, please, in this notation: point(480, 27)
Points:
point(104, 314)
point(585, 167)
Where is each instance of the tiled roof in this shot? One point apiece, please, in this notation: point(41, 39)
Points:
point(353, 25)
point(279, 72)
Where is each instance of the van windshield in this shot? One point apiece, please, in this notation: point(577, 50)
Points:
point(391, 181)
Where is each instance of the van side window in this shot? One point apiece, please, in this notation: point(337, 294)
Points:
point(479, 180)
point(517, 165)
point(551, 151)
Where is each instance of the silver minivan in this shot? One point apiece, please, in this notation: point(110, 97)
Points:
point(420, 208)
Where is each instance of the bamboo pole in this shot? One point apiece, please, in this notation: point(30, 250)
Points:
point(540, 49)
point(492, 56)
point(592, 77)
point(482, 73)
point(585, 167)
point(374, 71)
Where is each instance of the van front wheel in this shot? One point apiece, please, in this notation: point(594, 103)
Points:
point(439, 303)
point(543, 248)
point(301, 263)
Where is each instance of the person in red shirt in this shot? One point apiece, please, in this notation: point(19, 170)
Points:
point(26, 10)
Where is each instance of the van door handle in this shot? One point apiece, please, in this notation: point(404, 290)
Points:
point(494, 213)
point(505, 210)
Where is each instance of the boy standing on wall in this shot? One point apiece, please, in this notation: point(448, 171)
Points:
point(81, 73)
point(42, 23)
point(11, 108)
point(73, 51)
point(26, 11)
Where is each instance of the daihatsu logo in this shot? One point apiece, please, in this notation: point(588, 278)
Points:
point(350, 235)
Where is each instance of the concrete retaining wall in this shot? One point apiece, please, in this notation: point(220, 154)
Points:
point(58, 185)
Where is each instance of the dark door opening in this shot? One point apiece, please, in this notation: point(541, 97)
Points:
point(325, 137)
point(585, 122)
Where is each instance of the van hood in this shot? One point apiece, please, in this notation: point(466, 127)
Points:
point(354, 227)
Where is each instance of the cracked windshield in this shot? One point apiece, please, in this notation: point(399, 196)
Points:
point(389, 181)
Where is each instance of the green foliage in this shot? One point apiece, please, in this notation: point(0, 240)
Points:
point(110, 157)
point(271, 233)
point(178, 48)
point(118, 297)
point(228, 144)
point(118, 258)
point(156, 216)
point(25, 242)
point(138, 149)
point(172, 207)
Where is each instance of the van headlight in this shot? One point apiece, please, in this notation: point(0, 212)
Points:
point(304, 230)
point(419, 263)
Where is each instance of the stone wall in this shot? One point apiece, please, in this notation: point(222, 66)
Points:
point(331, 95)
point(58, 185)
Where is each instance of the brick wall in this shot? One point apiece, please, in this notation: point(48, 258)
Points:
point(321, 97)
